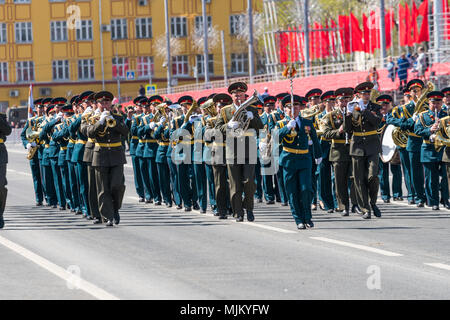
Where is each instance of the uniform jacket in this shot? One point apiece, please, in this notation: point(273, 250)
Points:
point(5, 130)
point(422, 128)
point(339, 150)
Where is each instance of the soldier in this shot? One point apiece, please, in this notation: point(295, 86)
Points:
point(71, 167)
point(240, 171)
point(175, 113)
point(109, 158)
point(33, 123)
point(296, 159)
point(339, 155)
point(134, 145)
point(5, 130)
point(363, 119)
point(385, 101)
point(426, 126)
point(324, 181)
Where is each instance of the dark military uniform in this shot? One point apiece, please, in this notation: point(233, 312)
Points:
point(5, 130)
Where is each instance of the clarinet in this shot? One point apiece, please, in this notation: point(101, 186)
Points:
point(347, 142)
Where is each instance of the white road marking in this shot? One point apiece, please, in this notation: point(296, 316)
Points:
point(58, 271)
point(358, 246)
point(439, 265)
point(19, 172)
point(263, 226)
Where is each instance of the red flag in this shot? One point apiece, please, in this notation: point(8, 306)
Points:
point(446, 19)
point(402, 25)
point(326, 41)
point(373, 24)
point(301, 42)
point(317, 42)
point(366, 34)
point(283, 47)
point(357, 34)
point(424, 34)
point(408, 27)
point(414, 35)
point(333, 33)
point(344, 32)
point(388, 22)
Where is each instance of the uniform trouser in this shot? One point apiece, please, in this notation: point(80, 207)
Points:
point(324, 184)
point(384, 180)
point(281, 185)
point(444, 182)
point(82, 176)
point(299, 192)
point(258, 180)
point(185, 184)
point(92, 190)
point(314, 178)
point(242, 180)
point(221, 188)
point(342, 173)
point(37, 181)
point(42, 173)
point(432, 182)
point(447, 168)
point(365, 175)
point(110, 183)
point(268, 180)
point(58, 183)
point(333, 188)
point(200, 184)
point(66, 184)
point(138, 183)
point(211, 187)
point(74, 188)
point(174, 181)
point(164, 181)
point(406, 167)
point(154, 181)
point(417, 176)
point(3, 189)
point(49, 185)
point(143, 165)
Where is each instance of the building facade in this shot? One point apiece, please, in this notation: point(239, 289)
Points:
point(64, 47)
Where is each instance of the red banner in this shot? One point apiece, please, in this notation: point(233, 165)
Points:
point(424, 34)
point(357, 34)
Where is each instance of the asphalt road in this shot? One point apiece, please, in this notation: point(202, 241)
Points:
point(160, 253)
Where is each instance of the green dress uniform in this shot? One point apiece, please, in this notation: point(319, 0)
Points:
point(34, 162)
point(296, 160)
point(209, 171)
point(71, 167)
point(108, 161)
point(161, 162)
point(47, 174)
point(5, 130)
point(144, 191)
point(269, 185)
point(365, 147)
point(134, 141)
point(396, 118)
point(430, 157)
point(241, 171)
point(173, 169)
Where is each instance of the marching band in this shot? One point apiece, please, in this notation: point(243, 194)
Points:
point(330, 150)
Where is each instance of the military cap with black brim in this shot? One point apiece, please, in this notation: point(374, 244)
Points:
point(155, 99)
point(270, 99)
point(435, 96)
point(223, 98)
point(415, 83)
point(343, 93)
point(237, 86)
point(286, 102)
point(365, 87)
point(60, 101)
point(202, 100)
point(85, 95)
point(74, 99)
point(211, 96)
point(185, 99)
point(313, 93)
point(384, 98)
point(104, 96)
point(280, 96)
point(446, 91)
point(38, 102)
point(328, 95)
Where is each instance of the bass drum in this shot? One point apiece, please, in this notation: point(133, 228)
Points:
point(389, 151)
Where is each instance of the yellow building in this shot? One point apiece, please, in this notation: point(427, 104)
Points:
point(45, 43)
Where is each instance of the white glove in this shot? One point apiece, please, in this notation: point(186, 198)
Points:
point(28, 146)
point(162, 120)
point(33, 144)
point(88, 110)
point(291, 124)
point(310, 142)
point(152, 125)
point(103, 118)
point(193, 118)
point(59, 116)
point(262, 146)
point(361, 105)
point(233, 124)
point(318, 160)
point(97, 111)
point(249, 115)
point(350, 106)
point(432, 137)
point(415, 116)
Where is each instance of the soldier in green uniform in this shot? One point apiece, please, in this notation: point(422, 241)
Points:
point(73, 183)
point(109, 158)
point(363, 119)
point(385, 101)
point(134, 145)
point(175, 113)
point(33, 123)
point(241, 170)
point(426, 126)
point(296, 159)
point(5, 130)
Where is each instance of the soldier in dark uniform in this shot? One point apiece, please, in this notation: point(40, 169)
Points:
point(240, 171)
point(109, 158)
point(134, 145)
point(5, 130)
point(363, 119)
point(176, 113)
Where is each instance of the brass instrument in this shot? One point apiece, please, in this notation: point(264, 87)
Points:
point(210, 108)
point(374, 94)
point(190, 111)
point(421, 103)
point(33, 136)
point(442, 138)
point(160, 112)
point(400, 137)
point(241, 115)
point(311, 112)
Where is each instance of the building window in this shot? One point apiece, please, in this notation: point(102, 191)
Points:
point(143, 28)
point(180, 66)
point(239, 63)
point(144, 65)
point(86, 69)
point(58, 31)
point(25, 71)
point(119, 67)
point(2, 32)
point(24, 32)
point(60, 70)
point(178, 26)
point(3, 72)
point(236, 23)
point(199, 23)
point(22, 1)
point(84, 32)
point(119, 29)
point(201, 66)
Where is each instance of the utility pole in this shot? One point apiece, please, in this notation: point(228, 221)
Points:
point(306, 31)
point(437, 29)
point(224, 59)
point(250, 41)
point(101, 42)
point(382, 34)
point(169, 64)
point(205, 43)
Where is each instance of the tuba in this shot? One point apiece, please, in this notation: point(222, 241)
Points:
point(310, 113)
point(33, 136)
point(210, 107)
point(421, 103)
point(241, 116)
point(442, 138)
